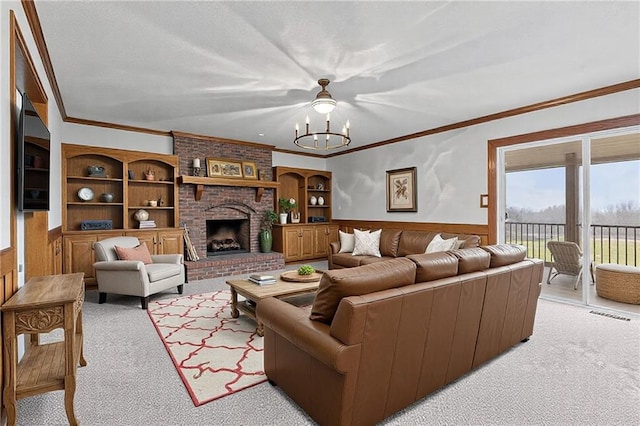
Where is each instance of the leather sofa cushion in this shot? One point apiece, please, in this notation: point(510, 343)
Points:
point(471, 259)
point(433, 266)
point(347, 260)
point(414, 242)
point(338, 283)
point(367, 260)
point(389, 240)
point(505, 254)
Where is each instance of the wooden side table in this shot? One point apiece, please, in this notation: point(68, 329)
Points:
point(43, 304)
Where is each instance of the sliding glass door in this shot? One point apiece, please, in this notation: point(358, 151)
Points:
point(573, 202)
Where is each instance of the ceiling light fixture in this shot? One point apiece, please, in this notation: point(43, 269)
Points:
point(324, 104)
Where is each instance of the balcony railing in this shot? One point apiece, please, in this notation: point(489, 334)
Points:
point(609, 243)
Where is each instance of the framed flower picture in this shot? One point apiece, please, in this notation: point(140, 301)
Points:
point(402, 195)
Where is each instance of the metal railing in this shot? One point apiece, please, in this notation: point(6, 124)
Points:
point(609, 243)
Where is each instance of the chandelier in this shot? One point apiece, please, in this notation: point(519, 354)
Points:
point(324, 104)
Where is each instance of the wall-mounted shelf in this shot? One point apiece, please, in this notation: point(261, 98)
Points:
point(200, 182)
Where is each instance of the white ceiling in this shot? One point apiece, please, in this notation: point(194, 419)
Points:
point(237, 69)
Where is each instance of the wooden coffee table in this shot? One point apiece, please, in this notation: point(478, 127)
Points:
point(254, 293)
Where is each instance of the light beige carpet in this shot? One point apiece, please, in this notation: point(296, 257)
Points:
point(215, 354)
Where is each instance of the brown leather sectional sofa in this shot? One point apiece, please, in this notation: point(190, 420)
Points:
point(381, 336)
point(396, 243)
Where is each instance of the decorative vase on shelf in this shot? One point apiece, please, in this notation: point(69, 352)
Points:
point(107, 197)
point(283, 218)
point(313, 200)
point(141, 215)
point(320, 201)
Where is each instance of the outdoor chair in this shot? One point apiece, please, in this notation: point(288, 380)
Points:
point(567, 260)
point(142, 274)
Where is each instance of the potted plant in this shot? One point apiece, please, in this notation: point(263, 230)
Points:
point(286, 205)
point(266, 237)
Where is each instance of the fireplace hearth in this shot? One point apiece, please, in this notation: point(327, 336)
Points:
point(227, 236)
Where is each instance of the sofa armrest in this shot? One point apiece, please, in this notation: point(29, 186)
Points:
point(119, 265)
point(335, 247)
point(167, 258)
point(312, 337)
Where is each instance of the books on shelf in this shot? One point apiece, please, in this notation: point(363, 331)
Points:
point(261, 279)
point(147, 224)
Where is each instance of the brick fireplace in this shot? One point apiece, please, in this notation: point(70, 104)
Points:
point(227, 205)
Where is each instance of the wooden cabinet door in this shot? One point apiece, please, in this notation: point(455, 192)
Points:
point(324, 235)
point(170, 242)
point(320, 246)
point(307, 238)
point(291, 246)
point(79, 256)
point(148, 237)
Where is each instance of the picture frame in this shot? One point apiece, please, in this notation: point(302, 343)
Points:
point(213, 167)
point(222, 167)
point(402, 194)
point(249, 170)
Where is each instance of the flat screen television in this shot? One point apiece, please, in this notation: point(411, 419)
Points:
point(33, 157)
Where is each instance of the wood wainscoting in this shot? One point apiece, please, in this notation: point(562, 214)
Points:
point(347, 225)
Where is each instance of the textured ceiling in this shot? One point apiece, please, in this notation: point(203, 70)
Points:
point(239, 69)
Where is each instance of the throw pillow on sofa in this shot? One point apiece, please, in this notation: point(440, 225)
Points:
point(438, 244)
point(347, 242)
point(367, 243)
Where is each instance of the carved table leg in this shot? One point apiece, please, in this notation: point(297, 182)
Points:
point(83, 362)
point(260, 329)
point(234, 303)
point(69, 393)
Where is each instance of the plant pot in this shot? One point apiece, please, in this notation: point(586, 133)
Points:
point(283, 218)
point(266, 241)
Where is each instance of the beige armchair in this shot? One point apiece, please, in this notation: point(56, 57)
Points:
point(133, 277)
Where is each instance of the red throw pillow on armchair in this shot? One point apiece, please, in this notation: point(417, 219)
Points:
point(140, 252)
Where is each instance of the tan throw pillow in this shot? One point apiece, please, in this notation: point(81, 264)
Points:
point(438, 244)
point(140, 253)
point(347, 242)
point(367, 243)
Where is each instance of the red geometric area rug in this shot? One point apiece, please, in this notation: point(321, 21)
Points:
point(215, 355)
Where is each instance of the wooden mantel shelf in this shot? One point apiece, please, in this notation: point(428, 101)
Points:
point(200, 182)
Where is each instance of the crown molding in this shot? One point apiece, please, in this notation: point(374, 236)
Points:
point(31, 13)
point(222, 140)
point(577, 97)
point(306, 154)
point(116, 126)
